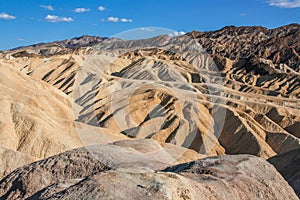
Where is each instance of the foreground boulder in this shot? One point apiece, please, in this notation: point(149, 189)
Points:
point(125, 170)
point(83, 162)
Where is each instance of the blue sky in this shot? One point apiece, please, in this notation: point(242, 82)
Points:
point(25, 22)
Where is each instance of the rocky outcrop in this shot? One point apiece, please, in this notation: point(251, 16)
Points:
point(81, 163)
point(279, 45)
point(118, 172)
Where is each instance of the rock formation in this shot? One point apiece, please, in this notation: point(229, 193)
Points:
point(142, 106)
point(112, 172)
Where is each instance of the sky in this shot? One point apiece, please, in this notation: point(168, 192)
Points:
point(26, 22)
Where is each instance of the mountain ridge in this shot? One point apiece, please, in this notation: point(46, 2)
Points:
point(91, 39)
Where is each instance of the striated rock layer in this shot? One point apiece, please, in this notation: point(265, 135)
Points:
point(241, 97)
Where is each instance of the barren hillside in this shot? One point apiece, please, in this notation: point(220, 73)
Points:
point(231, 91)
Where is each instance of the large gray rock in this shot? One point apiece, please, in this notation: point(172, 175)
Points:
point(83, 162)
point(117, 171)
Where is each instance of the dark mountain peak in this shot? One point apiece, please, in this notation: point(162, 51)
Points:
point(82, 41)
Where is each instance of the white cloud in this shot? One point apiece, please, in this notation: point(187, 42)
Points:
point(285, 3)
point(20, 39)
point(54, 18)
point(243, 14)
point(116, 19)
point(125, 20)
point(101, 8)
point(113, 19)
point(81, 10)
point(6, 16)
point(176, 33)
point(48, 7)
